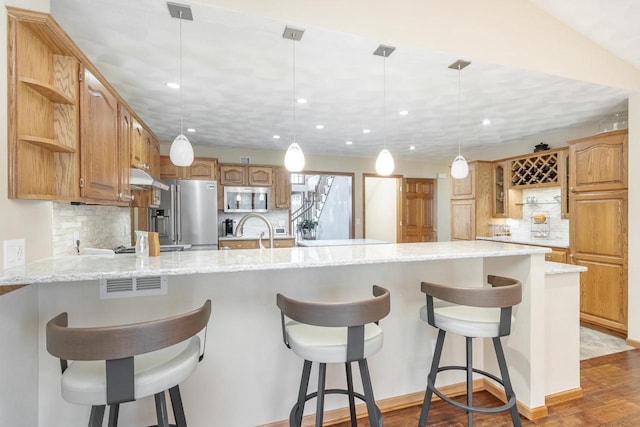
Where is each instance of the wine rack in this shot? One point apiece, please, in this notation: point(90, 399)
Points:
point(535, 170)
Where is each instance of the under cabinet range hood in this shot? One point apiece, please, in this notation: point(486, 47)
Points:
point(142, 179)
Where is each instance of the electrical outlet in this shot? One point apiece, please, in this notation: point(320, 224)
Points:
point(14, 253)
point(125, 230)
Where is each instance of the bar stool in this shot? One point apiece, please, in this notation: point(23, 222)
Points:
point(117, 364)
point(334, 333)
point(480, 312)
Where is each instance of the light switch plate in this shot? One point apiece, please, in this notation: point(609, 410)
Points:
point(14, 253)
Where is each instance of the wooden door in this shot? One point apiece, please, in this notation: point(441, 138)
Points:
point(463, 219)
point(598, 232)
point(124, 153)
point(418, 210)
point(203, 168)
point(464, 188)
point(170, 171)
point(282, 188)
point(260, 175)
point(231, 174)
point(99, 140)
point(599, 162)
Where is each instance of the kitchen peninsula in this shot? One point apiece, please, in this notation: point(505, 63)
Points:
point(245, 355)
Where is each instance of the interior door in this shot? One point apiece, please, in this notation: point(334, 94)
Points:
point(418, 210)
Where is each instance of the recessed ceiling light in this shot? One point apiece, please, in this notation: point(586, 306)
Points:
point(486, 122)
point(191, 130)
point(413, 147)
point(403, 112)
point(348, 142)
point(366, 130)
point(319, 126)
point(276, 136)
point(173, 85)
point(302, 101)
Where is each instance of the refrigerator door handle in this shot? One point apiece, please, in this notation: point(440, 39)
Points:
point(172, 219)
point(178, 208)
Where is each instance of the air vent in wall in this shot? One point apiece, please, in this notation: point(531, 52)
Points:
point(133, 287)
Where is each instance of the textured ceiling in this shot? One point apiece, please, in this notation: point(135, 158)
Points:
point(238, 83)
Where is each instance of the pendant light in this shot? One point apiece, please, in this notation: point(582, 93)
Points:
point(294, 157)
point(459, 166)
point(181, 152)
point(384, 162)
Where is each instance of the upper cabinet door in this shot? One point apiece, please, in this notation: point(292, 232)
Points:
point(231, 174)
point(599, 162)
point(464, 188)
point(124, 148)
point(99, 140)
point(260, 175)
point(203, 168)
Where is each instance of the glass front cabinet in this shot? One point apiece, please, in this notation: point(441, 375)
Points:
point(500, 190)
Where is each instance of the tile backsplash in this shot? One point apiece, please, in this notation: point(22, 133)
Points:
point(547, 201)
point(98, 226)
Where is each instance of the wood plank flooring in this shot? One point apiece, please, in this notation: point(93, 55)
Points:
point(611, 386)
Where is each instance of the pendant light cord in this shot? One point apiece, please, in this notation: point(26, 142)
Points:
point(384, 98)
point(180, 82)
point(459, 124)
point(293, 41)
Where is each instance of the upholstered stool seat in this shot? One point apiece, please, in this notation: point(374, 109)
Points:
point(476, 312)
point(107, 366)
point(329, 345)
point(334, 333)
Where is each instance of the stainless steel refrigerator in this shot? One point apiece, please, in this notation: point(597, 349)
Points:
point(188, 214)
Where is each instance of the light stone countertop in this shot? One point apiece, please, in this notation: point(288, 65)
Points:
point(76, 268)
point(551, 267)
point(548, 243)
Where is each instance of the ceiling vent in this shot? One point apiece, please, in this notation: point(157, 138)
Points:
point(133, 287)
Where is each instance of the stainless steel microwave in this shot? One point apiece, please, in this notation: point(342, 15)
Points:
point(246, 199)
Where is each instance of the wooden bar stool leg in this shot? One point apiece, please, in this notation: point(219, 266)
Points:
point(161, 410)
point(426, 404)
point(375, 417)
point(114, 410)
point(96, 416)
point(352, 403)
point(322, 371)
point(178, 409)
point(508, 389)
point(469, 379)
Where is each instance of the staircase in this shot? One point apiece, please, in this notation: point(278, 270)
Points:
point(313, 202)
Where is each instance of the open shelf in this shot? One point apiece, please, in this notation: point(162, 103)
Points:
point(46, 143)
point(48, 91)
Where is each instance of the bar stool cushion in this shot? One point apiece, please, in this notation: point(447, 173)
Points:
point(329, 344)
point(475, 322)
point(84, 382)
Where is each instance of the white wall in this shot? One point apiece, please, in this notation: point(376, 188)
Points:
point(634, 224)
point(381, 208)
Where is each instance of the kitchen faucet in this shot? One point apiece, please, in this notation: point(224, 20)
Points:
point(244, 219)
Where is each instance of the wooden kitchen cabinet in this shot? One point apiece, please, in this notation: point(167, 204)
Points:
point(254, 243)
point(472, 202)
point(100, 167)
point(598, 236)
point(43, 110)
point(599, 163)
point(233, 174)
point(202, 168)
point(124, 153)
point(282, 188)
point(556, 255)
point(500, 190)
point(139, 146)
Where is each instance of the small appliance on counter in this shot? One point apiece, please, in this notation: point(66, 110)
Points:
point(228, 227)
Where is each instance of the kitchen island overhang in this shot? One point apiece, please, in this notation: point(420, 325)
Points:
point(245, 354)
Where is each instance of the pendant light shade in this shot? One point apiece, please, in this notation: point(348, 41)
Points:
point(181, 151)
point(459, 166)
point(384, 163)
point(294, 158)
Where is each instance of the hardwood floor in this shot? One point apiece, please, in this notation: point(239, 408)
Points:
point(611, 386)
